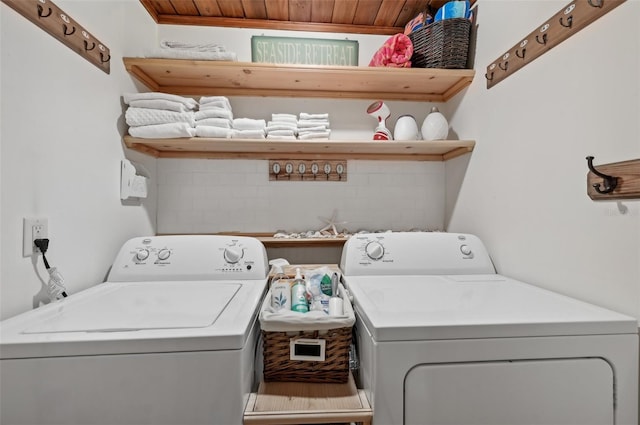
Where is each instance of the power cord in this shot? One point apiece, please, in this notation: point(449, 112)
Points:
point(55, 286)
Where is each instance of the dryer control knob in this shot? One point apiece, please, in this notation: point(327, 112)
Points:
point(142, 254)
point(465, 249)
point(232, 255)
point(163, 254)
point(374, 250)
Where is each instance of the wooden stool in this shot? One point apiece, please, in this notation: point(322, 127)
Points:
point(285, 403)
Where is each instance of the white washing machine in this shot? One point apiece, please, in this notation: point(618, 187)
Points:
point(169, 338)
point(443, 339)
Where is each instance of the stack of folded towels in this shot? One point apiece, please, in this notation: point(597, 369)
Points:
point(214, 117)
point(282, 127)
point(313, 126)
point(197, 51)
point(248, 128)
point(160, 115)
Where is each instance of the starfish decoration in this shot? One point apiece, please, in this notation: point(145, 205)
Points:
point(331, 223)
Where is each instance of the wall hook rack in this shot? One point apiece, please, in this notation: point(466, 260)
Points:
point(58, 24)
point(617, 180)
point(572, 18)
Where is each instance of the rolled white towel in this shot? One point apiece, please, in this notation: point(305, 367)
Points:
point(282, 133)
point(163, 131)
point(214, 113)
point(247, 134)
point(248, 124)
point(167, 105)
point(205, 100)
point(273, 137)
point(187, 101)
point(144, 116)
point(211, 131)
point(214, 122)
point(306, 116)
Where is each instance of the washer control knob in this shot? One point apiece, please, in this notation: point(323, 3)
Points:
point(232, 255)
point(374, 250)
point(142, 254)
point(163, 254)
point(465, 249)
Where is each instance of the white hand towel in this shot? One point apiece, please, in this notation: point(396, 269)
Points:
point(163, 131)
point(214, 113)
point(312, 123)
point(305, 116)
point(214, 122)
point(167, 105)
point(200, 47)
point(314, 135)
point(248, 134)
point(144, 116)
point(284, 118)
point(190, 54)
point(316, 128)
point(209, 99)
point(215, 104)
point(248, 124)
point(272, 137)
point(282, 133)
point(210, 131)
point(274, 125)
point(190, 103)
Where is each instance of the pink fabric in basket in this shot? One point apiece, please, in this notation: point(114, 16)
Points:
point(395, 52)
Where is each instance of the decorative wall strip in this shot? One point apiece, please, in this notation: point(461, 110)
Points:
point(617, 180)
point(57, 23)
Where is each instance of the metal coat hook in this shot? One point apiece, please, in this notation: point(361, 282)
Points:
point(41, 9)
point(86, 46)
point(544, 39)
point(569, 23)
point(598, 3)
point(64, 28)
point(505, 67)
point(523, 53)
point(609, 182)
point(487, 77)
point(103, 59)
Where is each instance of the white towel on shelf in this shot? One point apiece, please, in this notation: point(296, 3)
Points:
point(273, 137)
point(199, 47)
point(306, 116)
point(317, 128)
point(211, 131)
point(314, 135)
point(274, 125)
point(282, 133)
point(248, 124)
point(214, 122)
point(144, 116)
point(190, 54)
point(187, 101)
point(205, 100)
point(214, 113)
point(248, 134)
point(163, 131)
point(215, 104)
point(284, 118)
point(313, 123)
point(167, 105)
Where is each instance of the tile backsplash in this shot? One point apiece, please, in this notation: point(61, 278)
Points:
point(209, 196)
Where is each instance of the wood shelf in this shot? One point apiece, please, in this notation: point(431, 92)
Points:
point(198, 147)
point(203, 78)
point(270, 241)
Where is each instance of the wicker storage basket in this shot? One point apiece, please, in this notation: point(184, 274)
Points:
point(278, 365)
point(442, 44)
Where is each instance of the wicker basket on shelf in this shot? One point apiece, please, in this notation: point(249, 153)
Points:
point(442, 44)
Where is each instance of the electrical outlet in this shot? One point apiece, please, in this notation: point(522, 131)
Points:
point(32, 229)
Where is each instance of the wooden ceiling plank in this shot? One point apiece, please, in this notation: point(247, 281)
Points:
point(388, 13)
point(322, 11)
point(151, 9)
point(277, 9)
point(409, 11)
point(300, 10)
point(231, 8)
point(185, 7)
point(254, 9)
point(208, 7)
point(343, 11)
point(162, 7)
point(366, 12)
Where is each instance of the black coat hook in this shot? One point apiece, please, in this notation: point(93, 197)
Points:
point(544, 39)
point(610, 182)
point(489, 78)
point(523, 53)
point(103, 60)
point(86, 46)
point(505, 67)
point(569, 23)
point(64, 29)
point(40, 10)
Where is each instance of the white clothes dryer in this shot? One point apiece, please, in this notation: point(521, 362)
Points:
point(444, 339)
point(169, 338)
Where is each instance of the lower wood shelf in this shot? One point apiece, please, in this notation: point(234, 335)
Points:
point(307, 403)
point(197, 147)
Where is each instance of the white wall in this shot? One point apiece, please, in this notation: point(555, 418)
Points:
point(524, 192)
point(61, 146)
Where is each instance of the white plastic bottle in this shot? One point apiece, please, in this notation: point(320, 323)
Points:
point(280, 289)
point(299, 294)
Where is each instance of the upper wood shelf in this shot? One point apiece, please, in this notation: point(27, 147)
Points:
point(197, 147)
point(203, 78)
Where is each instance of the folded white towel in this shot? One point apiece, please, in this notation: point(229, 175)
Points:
point(163, 131)
point(312, 123)
point(215, 104)
point(167, 105)
point(282, 133)
point(190, 54)
point(187, 101)
point(316, 128)
point(144, 116)
point(200, 47)
point(248, 124)
point(214, 122)
point(210, 131)
point(272, 137)
point(214, 113)
point(204, 100)
point(284, 118)
point(305, 116)
point(314, 135)
point(248, 134)
point(274, 125)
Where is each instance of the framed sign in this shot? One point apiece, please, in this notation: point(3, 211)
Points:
point(306, 51)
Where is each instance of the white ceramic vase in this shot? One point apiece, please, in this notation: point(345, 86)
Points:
point(406, 128)
point(435, 126)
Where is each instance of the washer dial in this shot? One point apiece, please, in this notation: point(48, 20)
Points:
point(163, 254)
point(233, 255)
point(142, 254)
point(374, 250)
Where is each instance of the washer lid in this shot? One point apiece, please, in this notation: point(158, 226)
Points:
point(139, 306)
point(414, 308)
